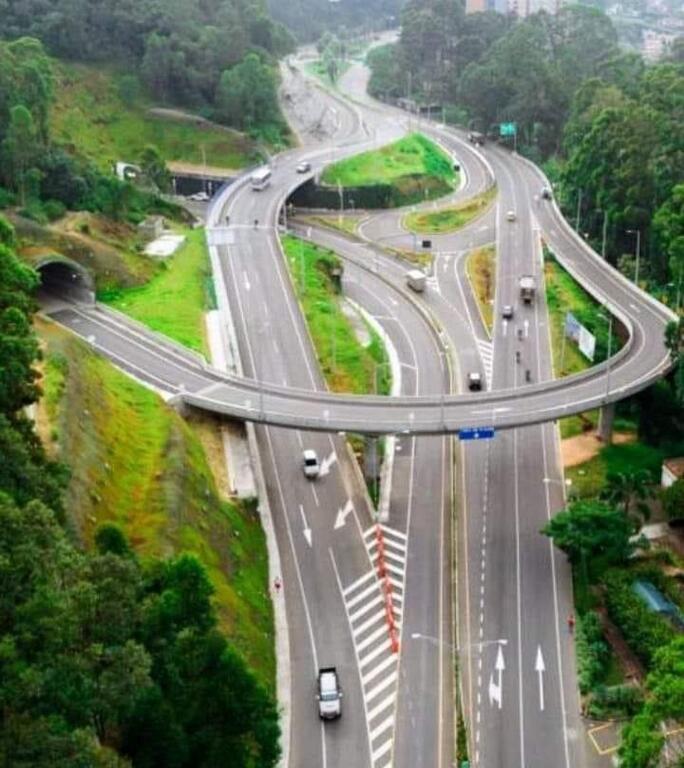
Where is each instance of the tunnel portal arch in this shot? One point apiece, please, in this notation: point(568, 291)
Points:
point(66, 279)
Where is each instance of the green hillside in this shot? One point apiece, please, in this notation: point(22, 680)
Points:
point(94, 115)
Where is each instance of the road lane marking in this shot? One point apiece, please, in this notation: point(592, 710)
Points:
point(366, 607)
point(361, 580)
point(372, 637)
point(377, 669)
point(362, 595)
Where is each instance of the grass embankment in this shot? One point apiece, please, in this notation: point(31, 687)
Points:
point(481, 268)
point(135, 462)
point(449, 219)
point(174, 301)
point(414, 167)
point(347, 365)
point(589, 478)
point(563, 295)
point(108, 249)
point(91, 116)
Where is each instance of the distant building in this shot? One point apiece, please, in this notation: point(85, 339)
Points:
point(516, 7)
point(655, 44)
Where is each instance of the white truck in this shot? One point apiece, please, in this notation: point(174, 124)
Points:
point(527, 288)
point(416, 280)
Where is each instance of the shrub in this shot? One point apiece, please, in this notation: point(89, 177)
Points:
point(614, 700)
point(6, 198)
point(54, 209)
point(592, 652)
point(644, 631)
point(673, 500)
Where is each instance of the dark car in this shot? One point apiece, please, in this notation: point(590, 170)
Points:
point(474, 381)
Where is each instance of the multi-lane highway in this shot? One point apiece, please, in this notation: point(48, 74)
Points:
point(518, 686)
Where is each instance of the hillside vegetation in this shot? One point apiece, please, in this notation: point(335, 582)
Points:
point(174, 300)
point(92, 117)
point(161, 492)
point(111, 657)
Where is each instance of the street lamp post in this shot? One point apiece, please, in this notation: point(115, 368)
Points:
point(636, 232)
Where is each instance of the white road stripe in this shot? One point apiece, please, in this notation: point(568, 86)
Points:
point(379, 616)
point(389, 680)
point(394, 569)
point(382, 750)
point(362, 595)
point(394, 532)
point(384, 725)
point(388, 701)
point(399, 558)
point(365, 608)
point(376, 652)
point(358, 582)
point(377, 670)
point(372, 638)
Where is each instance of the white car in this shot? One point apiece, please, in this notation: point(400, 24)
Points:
point(507, 312)
point(304, 167)
point(311, 466)
point(510, 216)
point(200, 197)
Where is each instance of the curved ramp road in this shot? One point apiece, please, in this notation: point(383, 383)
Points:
point(513, 589)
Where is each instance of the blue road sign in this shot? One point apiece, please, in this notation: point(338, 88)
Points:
point(476, 433)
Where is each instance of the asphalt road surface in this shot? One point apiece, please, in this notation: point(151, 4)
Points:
point(518, 682)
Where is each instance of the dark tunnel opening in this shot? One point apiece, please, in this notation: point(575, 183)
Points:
point(65, 280)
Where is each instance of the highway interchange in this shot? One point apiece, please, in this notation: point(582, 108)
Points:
point(463, 530)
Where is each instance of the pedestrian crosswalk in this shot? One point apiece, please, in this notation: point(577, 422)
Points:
point(368, 601)
point(486, 349)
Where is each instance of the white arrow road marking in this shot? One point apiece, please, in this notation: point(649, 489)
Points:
point(342, 514)
point(247, 283)
point(494, 692)
point(505, 327)
point(540, 668)
point(527, 328)
point(327, 463)
point(495, 689)
point(307, 531)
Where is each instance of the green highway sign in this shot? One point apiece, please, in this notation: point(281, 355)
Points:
point(507, 129)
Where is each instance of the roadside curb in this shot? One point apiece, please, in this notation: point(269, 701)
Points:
point(282, 636)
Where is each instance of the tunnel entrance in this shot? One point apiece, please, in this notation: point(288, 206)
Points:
point(62, 278)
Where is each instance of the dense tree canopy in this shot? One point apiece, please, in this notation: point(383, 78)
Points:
point(103, 662)
point(181, 47)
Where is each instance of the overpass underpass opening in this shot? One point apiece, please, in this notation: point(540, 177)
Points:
point(65, 279)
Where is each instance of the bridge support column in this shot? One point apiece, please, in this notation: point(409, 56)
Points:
point(605, 425)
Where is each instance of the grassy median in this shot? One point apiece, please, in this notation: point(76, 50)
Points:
point(135, 462)
point(347, 364)
point(481, 269)
point(415, 167)
point(564, 294)
point(449, 219)
point(175, 300)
